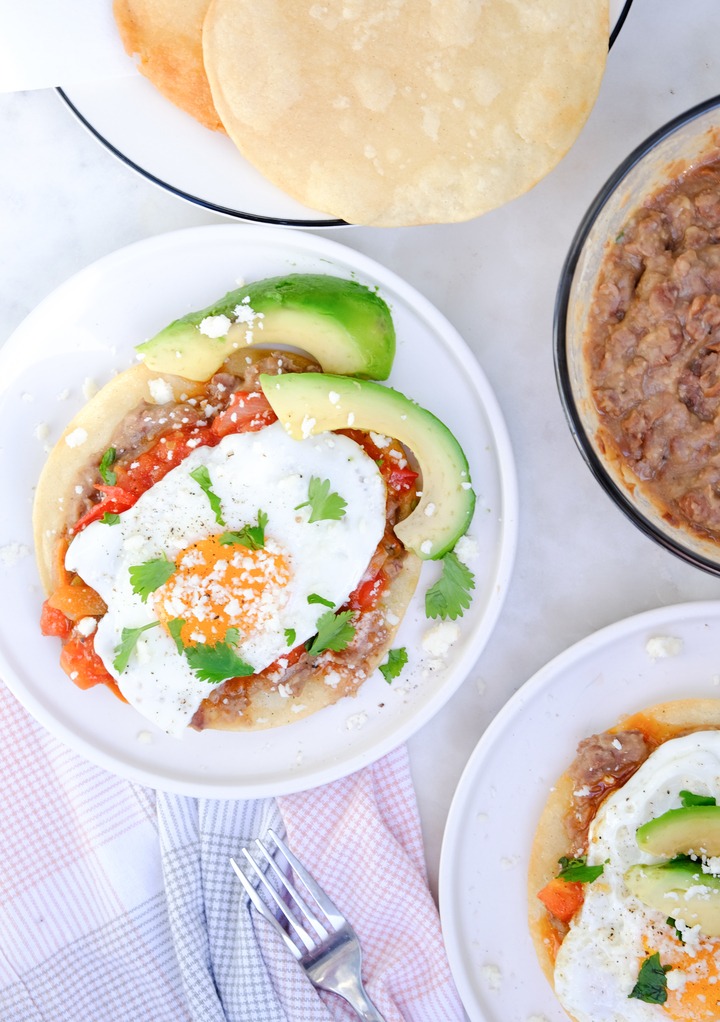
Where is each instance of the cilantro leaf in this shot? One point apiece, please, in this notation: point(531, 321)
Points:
point(219, 662)
point(450, 596)
point(147, 577)
point(651, 983)
point(202, 478)
point(128, 641)
point(576, 871)
point(324, 504)
point(106, 473)
point(109, 519)
point(174, 626)
point(290, 636)
point(689, 799)
point(314, 598)
point(250, 536)
point(678, 933)
point(334, 632)
point(396, 660)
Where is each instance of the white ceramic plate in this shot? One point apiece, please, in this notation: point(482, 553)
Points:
point(86, 330)
point(168, 147)
point(531, 742)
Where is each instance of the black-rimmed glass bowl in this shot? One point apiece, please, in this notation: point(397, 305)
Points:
point(684, 142)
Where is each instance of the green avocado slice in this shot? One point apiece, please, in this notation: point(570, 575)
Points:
point(690, 829)
point(344, 325)
point(308, 403)
point(680, 890)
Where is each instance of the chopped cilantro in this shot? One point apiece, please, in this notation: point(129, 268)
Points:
point(106, 473)
point(128, 641)
point(314, 598)
point(202, 478)
point(324, 504)
point(174, 626)
point(290, 636)
point(396, 660)
point(577, 871)
point(219, 662)
point(651, 983)
point(334, 631)
point(250, 536)
point(147, 577)
point(109, 519)
point(689, 799)
point(450, 596)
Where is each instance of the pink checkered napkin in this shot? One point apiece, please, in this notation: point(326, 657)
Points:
point(119, 904)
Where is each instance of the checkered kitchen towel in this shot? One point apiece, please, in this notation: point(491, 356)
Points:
point(119, 904)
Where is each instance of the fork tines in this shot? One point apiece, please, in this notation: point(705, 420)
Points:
point(331, 914)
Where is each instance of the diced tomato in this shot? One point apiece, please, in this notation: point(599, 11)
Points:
point(84, 667)
point(247, 412)
point(54, 622)
point(400, 479)
point(562, 899)
point(165, 454)
point(76, 600)
point(368, 593)
point(115, 500)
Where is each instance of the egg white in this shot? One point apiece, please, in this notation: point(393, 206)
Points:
point(597, 963)
point(264, 470)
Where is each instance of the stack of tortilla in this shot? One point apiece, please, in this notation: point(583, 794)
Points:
point(383, 112)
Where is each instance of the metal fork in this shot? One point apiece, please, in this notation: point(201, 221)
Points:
point(330, 956)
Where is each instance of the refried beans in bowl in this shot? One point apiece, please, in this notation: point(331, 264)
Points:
point(637, 336)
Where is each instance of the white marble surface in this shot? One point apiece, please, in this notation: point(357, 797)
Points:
point(580, 565)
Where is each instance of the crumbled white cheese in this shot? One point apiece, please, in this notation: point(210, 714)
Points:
point(89, 388)
point(379, 439)
point(332, 678)
point(392, 618)
point(299, 707)
point(616, 743)
point(11, 553)
point(42, 431)
point(430, 510)
point(583, 792)
point(466, 486)
point(661, 646)
point(351, 418)
point(711, 864)
point(307, 426)
point(144, 738)
point(214, 326)
point(64, 394)
point(466, 549)
point(438, 639)
point(77, 437)
point(491, 976)
point(426, 546)
point(333, 397)
point(356, 721)
point(86, 625)
point(160, 391)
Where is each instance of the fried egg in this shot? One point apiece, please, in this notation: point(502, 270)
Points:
point(599, 960)
point(265, 598)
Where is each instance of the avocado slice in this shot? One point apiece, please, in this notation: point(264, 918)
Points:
point(690, 829)
point(308, 403)
point(681, 890)
point(344, 325)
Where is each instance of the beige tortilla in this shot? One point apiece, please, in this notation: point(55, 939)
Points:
point(396, 113)
point(55, 510)
point(166, 35)
point(663, 722)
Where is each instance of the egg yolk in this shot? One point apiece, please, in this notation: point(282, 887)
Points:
point(216, 587)
point(696, 995)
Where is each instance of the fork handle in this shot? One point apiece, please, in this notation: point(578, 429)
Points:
point(356, 996)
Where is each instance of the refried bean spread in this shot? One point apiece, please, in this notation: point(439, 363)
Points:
point(653, 350)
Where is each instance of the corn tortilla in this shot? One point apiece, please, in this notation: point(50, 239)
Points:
point(399, 112)
point(166, 36)
point(57, 507)
point(664, 721)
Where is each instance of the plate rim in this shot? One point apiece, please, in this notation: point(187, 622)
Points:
point(455, 344)
point(535, 685)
